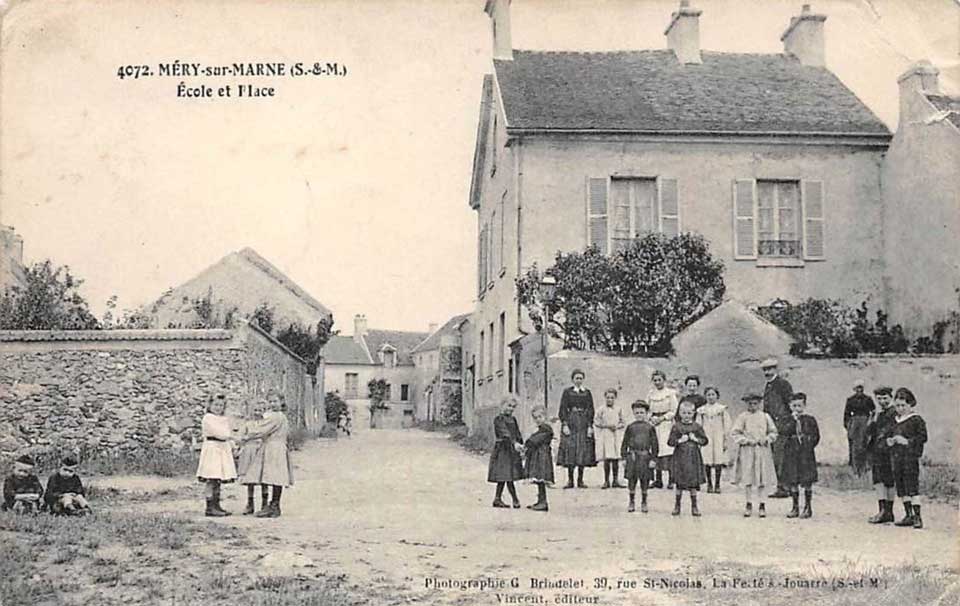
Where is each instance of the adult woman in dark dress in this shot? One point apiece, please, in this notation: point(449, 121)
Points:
point(577, 448)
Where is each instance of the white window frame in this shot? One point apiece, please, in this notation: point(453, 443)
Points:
point(609, 215)
point(805, 217)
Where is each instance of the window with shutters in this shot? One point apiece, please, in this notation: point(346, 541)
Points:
point(500, 341)
point(351, 385)
point(481, 356)
point(493, 341)
point(778, 220)
point(620, 209)
point(494, 249)
point(503, 217)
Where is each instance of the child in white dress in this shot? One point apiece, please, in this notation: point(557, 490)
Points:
point(754, 432)
point(609, 424)
point(216, 455)
point(716, 423)
point(663, 411)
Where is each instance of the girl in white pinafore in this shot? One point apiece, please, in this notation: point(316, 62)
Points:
point(609, 424)
point(216, 454)
point(716, 423)
point(754, 432)
point(663, 411)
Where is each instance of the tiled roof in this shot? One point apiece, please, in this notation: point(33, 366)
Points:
point(344, 350)
point(650, 91)
point(949, 105)
point(404, 342)
point(433, 341)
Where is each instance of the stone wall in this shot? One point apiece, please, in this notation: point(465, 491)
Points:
point(126, 390)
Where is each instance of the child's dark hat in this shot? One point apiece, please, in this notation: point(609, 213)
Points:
point(752, 397)
point(69, 462)
point(26, 460)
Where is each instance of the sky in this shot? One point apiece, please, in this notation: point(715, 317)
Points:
point(355, 186)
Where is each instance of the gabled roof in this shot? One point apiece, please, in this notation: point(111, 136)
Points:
point(950, 106)
point(433, 341)
point(243, 280)
point(344, 350)
point(403, 341)
point(651, 92)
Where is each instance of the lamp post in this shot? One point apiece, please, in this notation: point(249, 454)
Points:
point(548, 289)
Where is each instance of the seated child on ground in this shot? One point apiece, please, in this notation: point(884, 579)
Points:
point(65, 493)
point(22, 490)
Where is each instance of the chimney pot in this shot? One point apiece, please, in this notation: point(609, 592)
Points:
point(803, 38)
point(683, 33)
point(499, 13)
point(920, 78)
point(359, 327)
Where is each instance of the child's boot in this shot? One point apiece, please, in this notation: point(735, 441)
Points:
point(249, 509)
point(881, 513)
point(264, 497)
point(748, 511)
point(908, 518)
point(216, 500)
point(643, 502)
point(709, 480)
point(212, 511)
point(795, 510)
point(658, 480)
point(632, 506)
point(541, 504)
point(762, 511)
point(676, 504)
point(917, 520)
point(694, 510)
point(807, 504)
point(716, 484)
point(606, 475)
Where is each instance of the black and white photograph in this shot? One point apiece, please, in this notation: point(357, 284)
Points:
point(479, 302)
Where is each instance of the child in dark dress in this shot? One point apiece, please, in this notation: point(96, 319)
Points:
point(22, 491)
point(800, 434)
point(506, 464)
point(539, 459)
point(639, 450)
point(65, 494)
point(686, 437)
point(906, 447)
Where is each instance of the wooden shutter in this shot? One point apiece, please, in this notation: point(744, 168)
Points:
point(597, 213)
point(669, 207)
point(480, 240)
point(744, 219)
point(811, 197)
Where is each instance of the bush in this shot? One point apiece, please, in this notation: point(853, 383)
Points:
point(634, 301)
point(50, 300)
point(297, 437)
point(338, 412)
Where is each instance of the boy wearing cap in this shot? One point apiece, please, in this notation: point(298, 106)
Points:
point(22, 490)
point(65, 494)
point(776, 403)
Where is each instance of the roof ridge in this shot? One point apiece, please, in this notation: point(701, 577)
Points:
point(261, 263)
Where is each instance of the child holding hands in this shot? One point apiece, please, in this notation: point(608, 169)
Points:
point(539, 459)
point(800, 434)
point(754, 432)
point(506, 465)
point(686, 437)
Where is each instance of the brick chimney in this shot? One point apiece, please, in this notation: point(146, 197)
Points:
point(921, 77)
point(683, 33)
point(499, 13)
point(804, 38)
point(359, 327)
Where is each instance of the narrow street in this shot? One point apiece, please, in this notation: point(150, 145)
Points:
point(396, 509)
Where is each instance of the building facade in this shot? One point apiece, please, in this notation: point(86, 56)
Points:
point(768, 156)
point(439, 363)
point(351, 362)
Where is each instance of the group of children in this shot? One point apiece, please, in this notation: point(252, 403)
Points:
point(263, 460)
point(691, 438)
point(64, 495)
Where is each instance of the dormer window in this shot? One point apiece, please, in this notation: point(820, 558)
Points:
point(388, 356)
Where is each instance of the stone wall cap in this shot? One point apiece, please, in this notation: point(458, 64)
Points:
point(200, 334)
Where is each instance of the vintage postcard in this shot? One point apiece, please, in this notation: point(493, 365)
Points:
point(479, 302)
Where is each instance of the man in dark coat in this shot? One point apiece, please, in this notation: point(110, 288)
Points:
point(856, 415)
point(776, 403)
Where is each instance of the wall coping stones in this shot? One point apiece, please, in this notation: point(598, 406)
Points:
point(11, 336)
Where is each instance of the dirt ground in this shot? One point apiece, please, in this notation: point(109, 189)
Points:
point(406, 516)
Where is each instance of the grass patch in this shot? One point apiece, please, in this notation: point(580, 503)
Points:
point(939, 481)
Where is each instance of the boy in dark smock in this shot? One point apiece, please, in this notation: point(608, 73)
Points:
point(878, 430)
point(65, 494)
point(22, 490)
point(906, 442)
point(506, 464)
point(577, 446)
point(800, 434)
point(639, 450)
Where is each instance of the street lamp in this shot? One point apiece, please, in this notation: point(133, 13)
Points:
point(548, 290)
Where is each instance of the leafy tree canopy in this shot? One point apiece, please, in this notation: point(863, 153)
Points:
point(50, 300)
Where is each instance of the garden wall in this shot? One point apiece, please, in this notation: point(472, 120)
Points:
point(935, 380)
point(110, 391)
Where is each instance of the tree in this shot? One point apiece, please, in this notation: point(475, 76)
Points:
point(634, 301)
point(263, 317)
point(307, 343)
point(377, 393)
point(50, 300)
